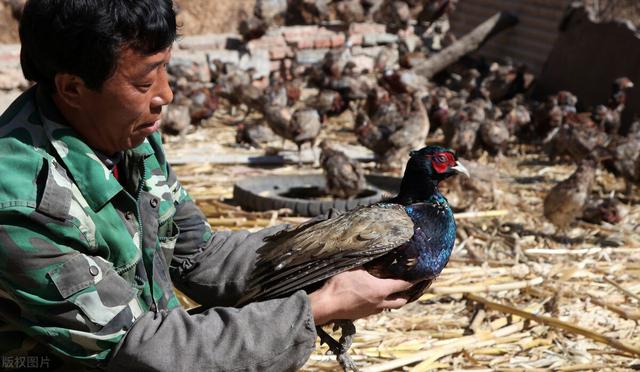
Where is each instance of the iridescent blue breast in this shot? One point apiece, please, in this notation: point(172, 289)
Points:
point(425, 255)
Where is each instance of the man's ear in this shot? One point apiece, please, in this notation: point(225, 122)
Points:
point(70, 88)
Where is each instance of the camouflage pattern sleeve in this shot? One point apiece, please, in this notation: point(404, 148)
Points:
point(75, 303)
point(82, 309)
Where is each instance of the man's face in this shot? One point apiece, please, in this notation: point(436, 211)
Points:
point(127, 109)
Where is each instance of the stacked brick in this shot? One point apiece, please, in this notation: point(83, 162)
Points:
point(202, 50)
point(303, 44)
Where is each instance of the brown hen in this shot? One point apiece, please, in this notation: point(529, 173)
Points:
point(344, 176)
point(566, 201)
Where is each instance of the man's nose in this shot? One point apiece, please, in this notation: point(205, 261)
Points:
point(164, 94)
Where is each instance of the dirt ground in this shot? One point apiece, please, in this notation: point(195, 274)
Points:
point(195, 16)
point(206, 16)
point(516, 258)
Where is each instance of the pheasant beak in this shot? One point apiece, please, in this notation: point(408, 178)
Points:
point(461, 169)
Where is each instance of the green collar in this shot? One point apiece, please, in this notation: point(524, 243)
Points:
point(95, 181)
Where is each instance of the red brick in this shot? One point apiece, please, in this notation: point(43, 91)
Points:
point(337, 40)
point(266, 42)
point(292, 38)
point(280, 52)
point(273, 40)
point(311, 30)
point(296, 32)
point(366, 28)
point(306, 43)
point(290, 32)
point(322, 42)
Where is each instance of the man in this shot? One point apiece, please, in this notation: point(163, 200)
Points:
point(95, 228)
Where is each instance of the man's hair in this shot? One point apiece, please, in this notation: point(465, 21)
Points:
point(84, 37)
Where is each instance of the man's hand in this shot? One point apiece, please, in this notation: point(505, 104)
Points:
point(355, 294)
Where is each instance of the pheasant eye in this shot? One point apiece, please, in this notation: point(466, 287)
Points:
point(441, 158)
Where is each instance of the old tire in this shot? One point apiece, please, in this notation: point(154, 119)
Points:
point(269, 193)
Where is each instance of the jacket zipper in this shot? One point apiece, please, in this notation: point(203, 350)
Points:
point(154, 305)
point(137, 199)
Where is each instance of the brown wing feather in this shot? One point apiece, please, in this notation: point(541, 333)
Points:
point(294, 259)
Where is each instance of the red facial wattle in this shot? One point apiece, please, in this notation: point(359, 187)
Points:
point(442, 161)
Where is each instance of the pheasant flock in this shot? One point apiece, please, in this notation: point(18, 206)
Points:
point(472, 107)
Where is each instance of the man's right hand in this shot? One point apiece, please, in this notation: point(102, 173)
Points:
point(355, 294)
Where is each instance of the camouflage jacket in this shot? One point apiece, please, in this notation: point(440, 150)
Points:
point(88, 264)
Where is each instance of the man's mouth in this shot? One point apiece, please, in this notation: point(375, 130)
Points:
point(151, 125)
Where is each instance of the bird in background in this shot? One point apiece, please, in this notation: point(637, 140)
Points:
point(566, 200)
point(408, 237)
point(344, 176)
point(300, 127)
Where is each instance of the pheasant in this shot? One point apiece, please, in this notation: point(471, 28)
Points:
point(624, 159)
point(615, 106)
point(567, 199)
point(494, 132)
point(303, 126)
point(391, 132)
point(345, 176)
point(253, 134)
point(408, 237)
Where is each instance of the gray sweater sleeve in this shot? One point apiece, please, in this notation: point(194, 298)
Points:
point(212, 271)
point(276, 335)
